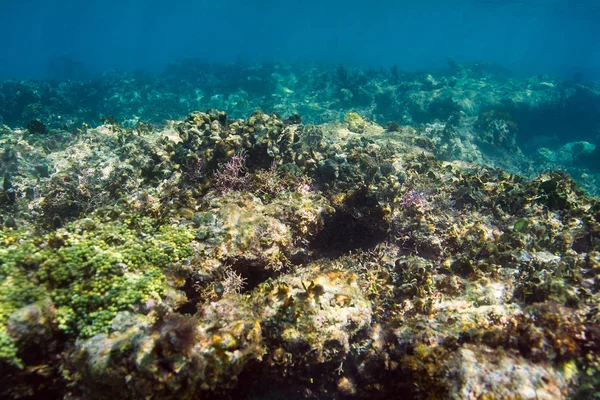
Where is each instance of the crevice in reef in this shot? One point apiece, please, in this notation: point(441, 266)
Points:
point(253, 272)
point(357, 224)
point(189, 307)
point(239, 275)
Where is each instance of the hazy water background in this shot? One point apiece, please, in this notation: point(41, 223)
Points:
point(529, 37)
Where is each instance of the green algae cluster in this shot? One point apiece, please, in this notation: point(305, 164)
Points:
point(90, 271)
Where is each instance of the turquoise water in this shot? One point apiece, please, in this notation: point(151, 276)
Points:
point(534, 62)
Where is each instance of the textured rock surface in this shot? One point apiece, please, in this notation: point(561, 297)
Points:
point(215, 258)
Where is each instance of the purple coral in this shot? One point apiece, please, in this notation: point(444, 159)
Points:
point(232, 176)
point(414, 198)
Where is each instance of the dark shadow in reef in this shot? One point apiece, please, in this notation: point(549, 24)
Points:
point(190, 307)
point(357, 224)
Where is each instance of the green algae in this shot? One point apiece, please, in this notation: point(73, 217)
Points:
point(521, 225)
point(91, 270)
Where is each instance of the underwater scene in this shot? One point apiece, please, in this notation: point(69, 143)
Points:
point(295, 200)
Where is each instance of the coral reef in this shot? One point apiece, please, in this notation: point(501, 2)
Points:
point(473, 112)
point(214, 257)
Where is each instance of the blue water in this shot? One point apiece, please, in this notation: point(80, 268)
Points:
point(529, 37)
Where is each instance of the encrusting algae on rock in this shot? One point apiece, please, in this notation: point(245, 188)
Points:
point(213, 258)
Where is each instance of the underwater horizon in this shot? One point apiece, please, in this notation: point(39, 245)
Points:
point(526, 37)
point(300, 200)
